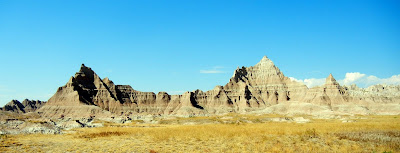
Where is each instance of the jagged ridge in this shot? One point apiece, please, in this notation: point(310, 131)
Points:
point(253, 88)
point(24, 107)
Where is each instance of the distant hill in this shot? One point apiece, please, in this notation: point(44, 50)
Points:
point(24, 107)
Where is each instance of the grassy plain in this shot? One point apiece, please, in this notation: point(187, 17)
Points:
point(231, 133)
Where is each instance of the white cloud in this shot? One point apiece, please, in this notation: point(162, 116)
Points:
point(215, 69)
point(364, 80)
point(294, 79)
point(352, 77)
point(360, 79)
point(312, 82)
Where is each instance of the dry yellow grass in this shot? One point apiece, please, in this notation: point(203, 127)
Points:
point(366, 134)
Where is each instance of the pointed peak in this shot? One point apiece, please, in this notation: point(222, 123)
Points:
point(13, 102)
point(83, 68)
point(330, 80)
point(106, 79)
point(85, 71)
point(265, 61)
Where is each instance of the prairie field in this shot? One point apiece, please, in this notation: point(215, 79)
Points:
point(230, 133)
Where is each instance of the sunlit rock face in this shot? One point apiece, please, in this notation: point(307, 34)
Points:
point(263, 85)
point(251, 89)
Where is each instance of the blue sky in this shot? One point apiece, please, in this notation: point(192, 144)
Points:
point(178, 46)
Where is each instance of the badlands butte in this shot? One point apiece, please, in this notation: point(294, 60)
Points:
point(259, 89)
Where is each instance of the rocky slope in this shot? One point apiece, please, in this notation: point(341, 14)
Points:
point(261, 88)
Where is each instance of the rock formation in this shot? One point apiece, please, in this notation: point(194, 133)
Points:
point(24, 107)
point(257, 88)
point(375, 93)
point(85, 94)
point(14, 106)
point(262, 85)
point(32, 105)
point(331, 93)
